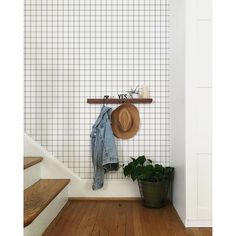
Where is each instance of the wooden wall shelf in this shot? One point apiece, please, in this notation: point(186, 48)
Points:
point(116, 100)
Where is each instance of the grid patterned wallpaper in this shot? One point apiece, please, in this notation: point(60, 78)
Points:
point(79, 49)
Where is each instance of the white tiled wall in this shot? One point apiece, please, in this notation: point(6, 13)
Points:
point(76, 50)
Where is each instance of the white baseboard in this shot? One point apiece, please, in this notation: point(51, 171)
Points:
point(192, 222)
point(198, 223)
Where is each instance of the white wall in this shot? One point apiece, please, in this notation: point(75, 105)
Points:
point(198, 112)
point(177, 103)
point(191, 110)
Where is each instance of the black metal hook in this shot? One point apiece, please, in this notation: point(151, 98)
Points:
point(104, 98)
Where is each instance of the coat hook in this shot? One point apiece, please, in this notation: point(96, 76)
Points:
point(104, 98)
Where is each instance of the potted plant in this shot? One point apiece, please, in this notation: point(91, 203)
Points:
point(154, 180)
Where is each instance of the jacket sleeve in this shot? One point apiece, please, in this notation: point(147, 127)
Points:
point(110, 155)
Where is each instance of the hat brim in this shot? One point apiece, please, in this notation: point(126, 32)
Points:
point(119, 133)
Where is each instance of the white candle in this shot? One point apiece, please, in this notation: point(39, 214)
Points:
point(145, 92)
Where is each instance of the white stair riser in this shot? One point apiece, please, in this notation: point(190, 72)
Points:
point(39, 225)
point(32, 175)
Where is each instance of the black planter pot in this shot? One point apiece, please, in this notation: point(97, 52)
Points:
point(154, 194)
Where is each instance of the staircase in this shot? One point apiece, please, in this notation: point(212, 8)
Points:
point(43, 198)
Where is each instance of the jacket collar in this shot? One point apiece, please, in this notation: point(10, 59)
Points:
point(104, 110)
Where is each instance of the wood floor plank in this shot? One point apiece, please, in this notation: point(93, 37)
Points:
point(152, 221)
point(72, 214)
point(119, 218)
point(58, 221)
point(139, 227)
point(198, 231)
point(173, 223)
point(86, 225)
point(129, 222)
point(105, 222)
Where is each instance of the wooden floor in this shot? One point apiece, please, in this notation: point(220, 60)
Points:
point(119, 218)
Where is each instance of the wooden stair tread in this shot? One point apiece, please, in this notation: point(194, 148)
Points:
point(38, 196)
point(30, 161)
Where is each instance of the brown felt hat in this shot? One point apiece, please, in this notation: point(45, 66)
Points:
point(125, 121)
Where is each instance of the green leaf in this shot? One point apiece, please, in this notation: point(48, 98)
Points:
point(127, 170)
point(143, 169)
point(141, 160)
point(132, 177)
point(159, 168)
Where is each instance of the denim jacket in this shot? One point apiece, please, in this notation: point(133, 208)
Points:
point(104, 152)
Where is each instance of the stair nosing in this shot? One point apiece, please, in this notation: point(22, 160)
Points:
point(36, 161)
point(33, 216)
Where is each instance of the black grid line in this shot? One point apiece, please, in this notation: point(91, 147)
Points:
point(78, 49)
